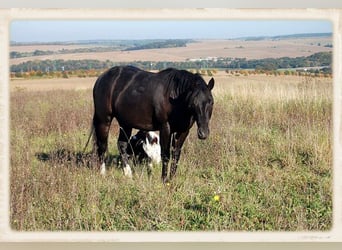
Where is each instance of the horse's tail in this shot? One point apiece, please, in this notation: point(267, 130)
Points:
point(91, 134)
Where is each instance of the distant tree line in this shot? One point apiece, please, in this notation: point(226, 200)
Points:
point(172, 43)
point(123, 46)
point(16, 54)
point(60, 65)
point(321, 59)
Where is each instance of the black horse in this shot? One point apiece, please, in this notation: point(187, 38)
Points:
point(169, 101)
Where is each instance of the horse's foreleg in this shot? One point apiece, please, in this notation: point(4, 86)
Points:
point(125, 134)
point(165, 138)
point(177, 143)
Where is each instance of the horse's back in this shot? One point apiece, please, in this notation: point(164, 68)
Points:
point(129, 94)
point(108, 78)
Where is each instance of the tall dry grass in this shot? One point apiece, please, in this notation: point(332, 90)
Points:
point(267, 164)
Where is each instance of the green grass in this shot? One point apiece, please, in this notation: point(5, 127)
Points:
point(267, 166)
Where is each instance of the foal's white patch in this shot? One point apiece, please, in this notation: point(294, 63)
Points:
point(127, 171)
point(103, 169)
point(153, 149)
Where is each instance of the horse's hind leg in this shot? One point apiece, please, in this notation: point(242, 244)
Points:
point(124, 135)
point(101, 132)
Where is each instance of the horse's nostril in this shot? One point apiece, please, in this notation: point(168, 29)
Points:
point(202, 135)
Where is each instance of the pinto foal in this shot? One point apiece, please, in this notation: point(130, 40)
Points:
point(144, 147)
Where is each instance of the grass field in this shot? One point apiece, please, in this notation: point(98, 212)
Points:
point(266, 166)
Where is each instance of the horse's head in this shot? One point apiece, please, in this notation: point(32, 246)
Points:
point(201, 104)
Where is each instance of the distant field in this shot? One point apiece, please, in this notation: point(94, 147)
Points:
point(201, 49)
point(52, 84)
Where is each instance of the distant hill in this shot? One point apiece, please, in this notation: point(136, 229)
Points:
point(280, 37)
point(304, 35)
point(176, 50)
point(141, 43)
point(132, 44)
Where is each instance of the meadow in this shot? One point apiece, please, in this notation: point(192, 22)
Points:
point(266, 166)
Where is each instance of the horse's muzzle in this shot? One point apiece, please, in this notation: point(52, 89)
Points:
point(202, 134)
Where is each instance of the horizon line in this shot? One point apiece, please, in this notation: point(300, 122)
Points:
point(294, 35)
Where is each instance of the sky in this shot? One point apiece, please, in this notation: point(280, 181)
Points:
point(56, 31)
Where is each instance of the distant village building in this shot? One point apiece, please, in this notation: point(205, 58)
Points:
point(209, 58)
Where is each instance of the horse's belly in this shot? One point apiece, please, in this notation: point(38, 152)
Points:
point(136, 117)
point(136, 107)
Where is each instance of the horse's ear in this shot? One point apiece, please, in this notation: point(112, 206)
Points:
point(211, 84)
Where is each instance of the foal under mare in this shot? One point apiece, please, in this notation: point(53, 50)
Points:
point(144, 148)
point(170, 101)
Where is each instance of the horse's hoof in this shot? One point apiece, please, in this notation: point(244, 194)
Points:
point(103, 169)
point(127, 171)
point(166, 181)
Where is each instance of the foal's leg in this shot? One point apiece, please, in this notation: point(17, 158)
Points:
point(101, 132)
point(149, 168)
point(125, 134)
point(177, 143)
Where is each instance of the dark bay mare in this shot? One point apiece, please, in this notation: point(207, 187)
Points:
point(169, 102)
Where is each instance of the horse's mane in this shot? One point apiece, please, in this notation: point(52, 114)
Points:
point(180, 81)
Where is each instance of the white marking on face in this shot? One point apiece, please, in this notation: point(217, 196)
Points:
point(127, 171)
point(103, 169)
